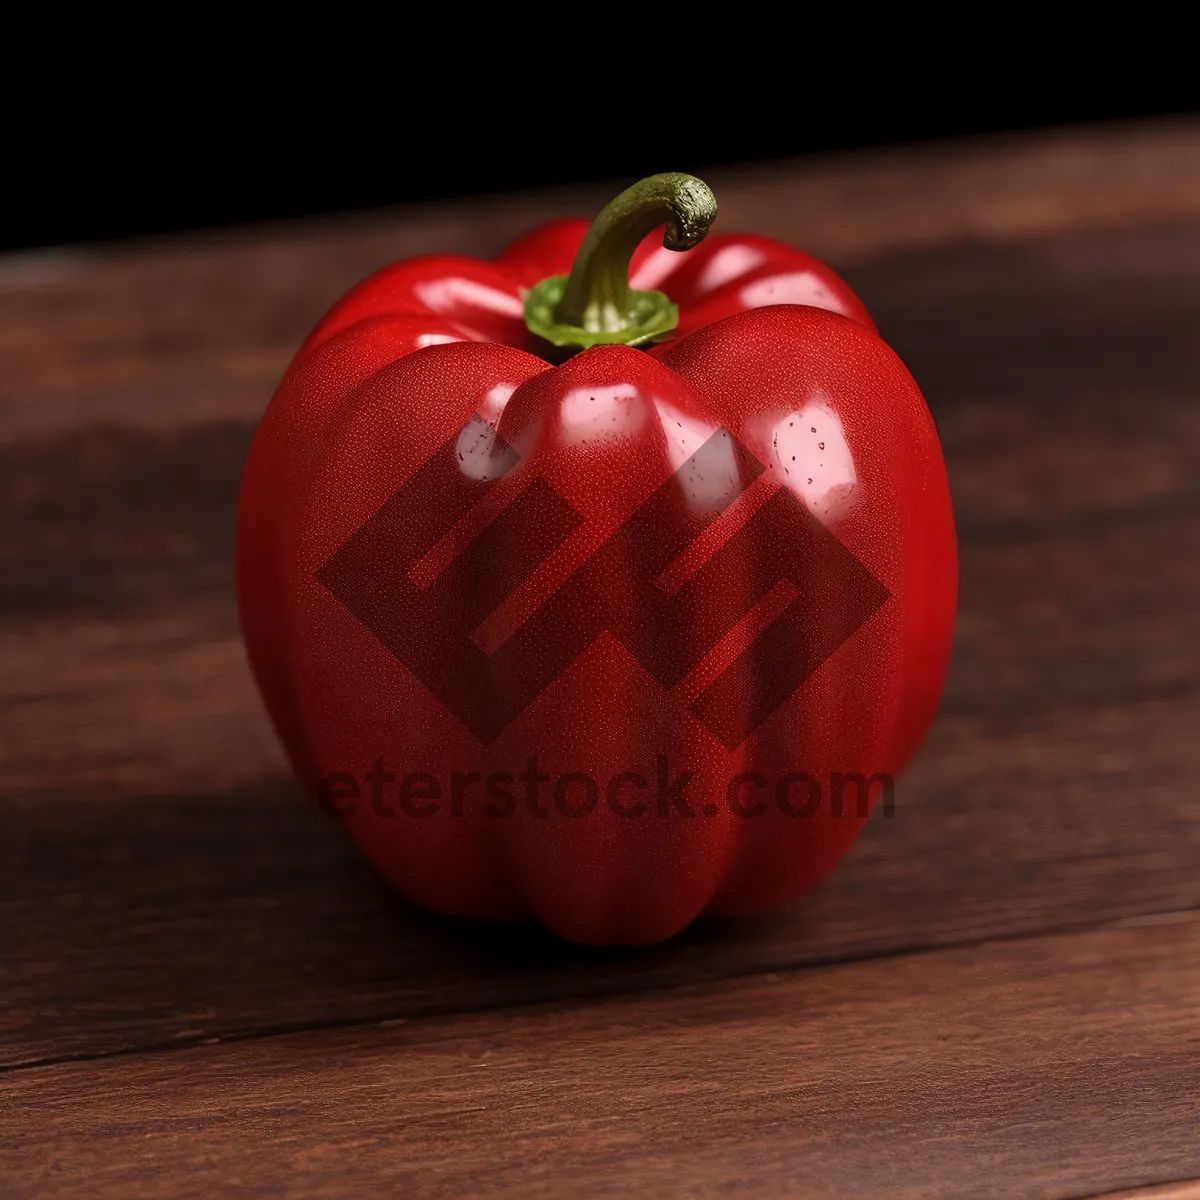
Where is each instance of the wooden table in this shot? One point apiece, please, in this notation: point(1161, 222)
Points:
point(205, 992)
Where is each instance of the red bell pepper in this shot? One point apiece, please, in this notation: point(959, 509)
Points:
point(592, 602)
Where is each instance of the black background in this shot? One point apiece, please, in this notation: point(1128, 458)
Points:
point(155, 158)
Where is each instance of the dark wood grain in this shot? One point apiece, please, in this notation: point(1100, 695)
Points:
point(1057, 1067)
point(1187, 1189)
point(162, 884)
point(200, 328)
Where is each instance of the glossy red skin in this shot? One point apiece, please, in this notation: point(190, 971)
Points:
point(372, 394)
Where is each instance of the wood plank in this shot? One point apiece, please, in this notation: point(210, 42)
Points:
point(203, 326)
point(160, 882)
point(1184, 1190)
point(1049, 1067)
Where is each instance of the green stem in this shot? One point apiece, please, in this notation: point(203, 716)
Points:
point(594, 305)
